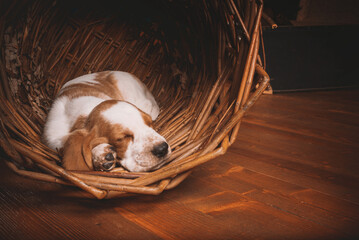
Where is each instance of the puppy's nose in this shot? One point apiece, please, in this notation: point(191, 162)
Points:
point(160, 150)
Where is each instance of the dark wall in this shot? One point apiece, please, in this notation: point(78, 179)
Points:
point(306, 58)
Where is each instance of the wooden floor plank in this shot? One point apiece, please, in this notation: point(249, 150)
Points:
point(173, 220)
point(329, 203)
point(251, 218)
point(343, 226)
point(239, 179)
point(322, 173)
point(328, 156)
point(267, 166)
point(313, 129)
point(28, 221)
point(310, 107)
point(302, 120)
point(224, 201)
point(279, 195)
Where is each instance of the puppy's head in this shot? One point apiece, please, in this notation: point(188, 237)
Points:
point(129, 130)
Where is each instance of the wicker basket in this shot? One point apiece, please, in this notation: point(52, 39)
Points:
point(199, 58)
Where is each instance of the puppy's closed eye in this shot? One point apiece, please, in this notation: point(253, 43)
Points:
point(125, 137)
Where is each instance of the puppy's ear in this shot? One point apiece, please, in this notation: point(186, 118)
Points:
point(91, 141)
point(72, 151)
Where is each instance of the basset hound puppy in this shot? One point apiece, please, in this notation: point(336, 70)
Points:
point(100, 119)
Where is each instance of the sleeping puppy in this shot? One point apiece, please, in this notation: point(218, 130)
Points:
point(103, 118)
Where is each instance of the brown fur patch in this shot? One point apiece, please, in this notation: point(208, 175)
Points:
point(105, 87)
point(120, 138)
point(80, 123)
point(147, 119)
point(95, 116)
point(116, 134)
point(73, 158)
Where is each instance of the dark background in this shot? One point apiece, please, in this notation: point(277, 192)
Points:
point(315, 46)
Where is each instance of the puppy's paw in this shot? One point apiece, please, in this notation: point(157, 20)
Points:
point(103, 157)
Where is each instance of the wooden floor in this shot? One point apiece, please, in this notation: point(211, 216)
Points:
point(292, 174)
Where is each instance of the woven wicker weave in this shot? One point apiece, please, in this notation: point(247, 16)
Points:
point(199, 58)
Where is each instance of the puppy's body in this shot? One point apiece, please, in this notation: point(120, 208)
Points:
point(112, 105)
point(78, 97)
